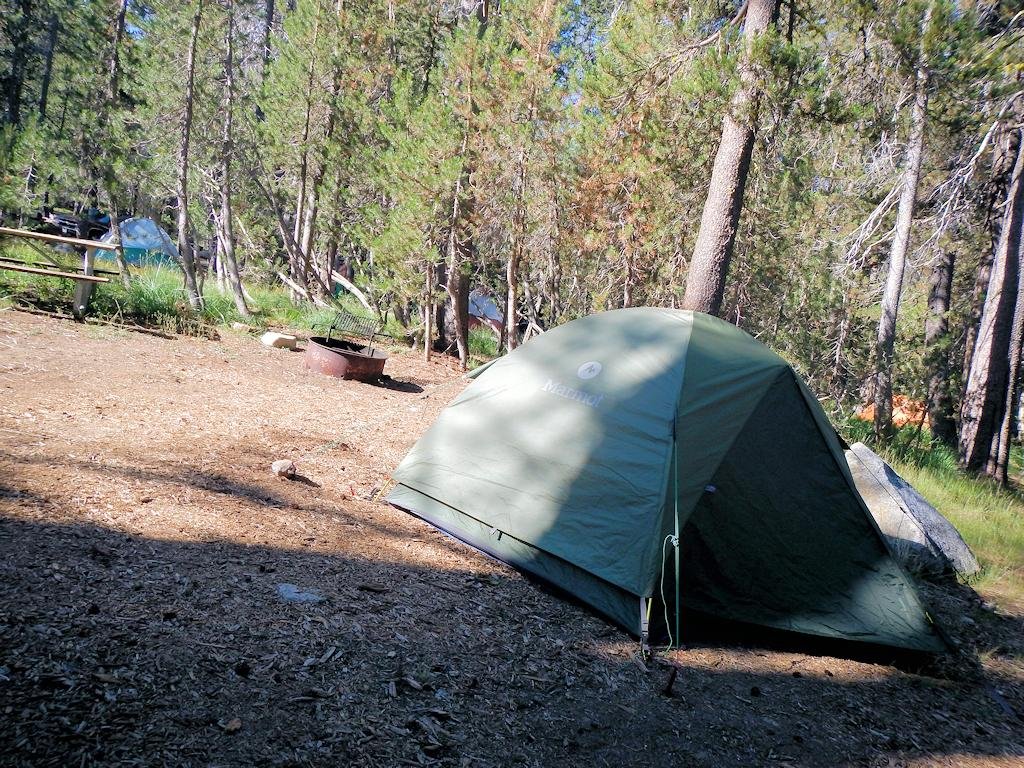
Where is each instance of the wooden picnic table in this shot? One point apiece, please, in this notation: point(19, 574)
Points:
point(85, 281)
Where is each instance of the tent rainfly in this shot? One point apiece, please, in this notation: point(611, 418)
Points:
point(144, 241)
point(649, 461)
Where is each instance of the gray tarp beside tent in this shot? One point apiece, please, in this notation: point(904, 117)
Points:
point(580, 454)
point(919, 537)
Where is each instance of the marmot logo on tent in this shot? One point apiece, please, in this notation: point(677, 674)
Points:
point(557, 388)
point(589, 370)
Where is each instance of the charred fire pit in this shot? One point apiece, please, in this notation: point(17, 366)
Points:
point(344, 359)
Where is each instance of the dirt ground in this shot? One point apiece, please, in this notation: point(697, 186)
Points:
point(143, 540)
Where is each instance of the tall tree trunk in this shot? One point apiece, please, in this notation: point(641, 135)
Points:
point(21, 41)
point(519, 243)
point(628, 271)
point(460, 255)
point(515, 253)
point(432, 35)
point(461, 248)
point(428, 311)
point(312, 205)
point(977, 305)
point(886, 340)
point(309, 216)
point(330, 261)
point(987, 384)
point(299, 267)
point(268, 27)
point(512, 298)
point(114, 62)
point(705, 284)
point(218, 260)
point(227, 147)
point(113, 96)
point(188, 263)
point(458, 292)
point(52, 29)
point(999, 456)
point(936, 333)
point(441, 342)
point(329, 264)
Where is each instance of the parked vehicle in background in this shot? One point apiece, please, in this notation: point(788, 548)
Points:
point(91, 225)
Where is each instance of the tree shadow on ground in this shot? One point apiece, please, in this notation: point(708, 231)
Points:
point(170, 472)
point(122, 650)
point(396, 385)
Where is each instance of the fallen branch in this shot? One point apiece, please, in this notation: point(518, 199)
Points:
point(866, 230)
point(303, 292)
point(349, 286)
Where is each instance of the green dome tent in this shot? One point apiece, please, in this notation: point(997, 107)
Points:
point(583, 456)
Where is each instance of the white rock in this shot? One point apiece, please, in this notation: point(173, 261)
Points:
point(293, 594)
point(279, 340)
point(283, 468)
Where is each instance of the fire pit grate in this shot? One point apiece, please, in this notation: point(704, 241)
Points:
point(347, 324)
point(353, 358)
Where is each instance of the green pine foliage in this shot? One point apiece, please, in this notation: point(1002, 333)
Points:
point(572, 139)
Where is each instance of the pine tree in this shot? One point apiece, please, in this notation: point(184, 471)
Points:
point(705, 284)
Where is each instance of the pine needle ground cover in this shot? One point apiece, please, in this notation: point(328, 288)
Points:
point(141, 620)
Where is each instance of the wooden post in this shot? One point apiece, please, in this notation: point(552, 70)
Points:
point(83, 288)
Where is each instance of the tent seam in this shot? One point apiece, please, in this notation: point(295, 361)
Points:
point(739, 432)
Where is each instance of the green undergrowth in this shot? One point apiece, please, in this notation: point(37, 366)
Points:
point(990, 518)
point(483, 344)
point(156, 298)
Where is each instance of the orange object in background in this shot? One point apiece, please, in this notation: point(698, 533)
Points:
point(904, 411)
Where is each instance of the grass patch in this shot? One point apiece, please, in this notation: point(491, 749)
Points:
point(990, 518)
point(483, 343)
point(991, 521)
point(156, 298)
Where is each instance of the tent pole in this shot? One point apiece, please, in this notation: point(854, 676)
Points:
point(675, 507)
point(645, 617)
